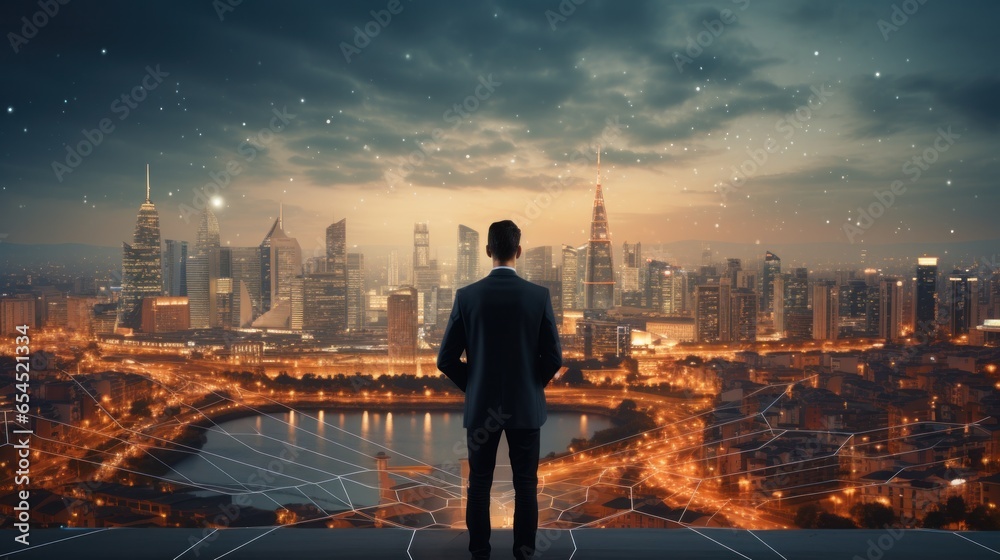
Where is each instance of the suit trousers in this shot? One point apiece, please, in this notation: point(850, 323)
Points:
point(524, 449)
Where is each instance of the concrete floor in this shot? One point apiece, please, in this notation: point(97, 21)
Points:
point(583, 544)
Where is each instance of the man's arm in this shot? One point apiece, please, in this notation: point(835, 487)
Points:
point(549, 358)
point(453, 344)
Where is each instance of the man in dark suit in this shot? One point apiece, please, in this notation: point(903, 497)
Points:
point(506, 328)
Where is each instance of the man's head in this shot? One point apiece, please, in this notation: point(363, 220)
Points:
point(503, 241)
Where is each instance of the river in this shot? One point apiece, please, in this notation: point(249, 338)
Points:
point(327, 457)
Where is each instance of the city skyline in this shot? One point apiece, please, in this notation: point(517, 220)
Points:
point(237, 234)
point(676, 118)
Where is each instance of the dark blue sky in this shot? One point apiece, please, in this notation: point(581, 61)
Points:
point(469, 112)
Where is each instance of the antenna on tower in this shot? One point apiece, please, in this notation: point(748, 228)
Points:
point(147, 183)
point(598, 164)
point(281, 225)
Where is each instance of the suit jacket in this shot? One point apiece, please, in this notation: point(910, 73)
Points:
point(506, 328)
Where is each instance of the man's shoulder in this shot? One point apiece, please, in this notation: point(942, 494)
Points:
point(490, 282)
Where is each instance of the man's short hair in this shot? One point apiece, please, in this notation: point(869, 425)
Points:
point(503, 239)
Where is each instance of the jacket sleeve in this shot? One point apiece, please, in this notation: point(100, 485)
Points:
point(549, 358)
point(449, 359)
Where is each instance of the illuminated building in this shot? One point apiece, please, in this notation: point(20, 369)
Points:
point(890, 305)
point(798, 319)
point(392, 271)
point(80, 313)
point(772, 270)
point(599, 282)
point(743, 315)
point(569, 277)
point(175, 256)
point(963, 302)
point(538, 265)
point(402, 329)
point(336, 284)
point(163, 314)
point(601, 338)
point(142, 274)
point(356, 293)
point(666, 288)
point(629, 275)
point(336, 247)
point(925, 295)
point(425, 275)
point(712, 315)
point(323, 302)
point(467, 269)
point(680, 329)
point(17, 311)
point(244, 268)
point(826, 311)
point(202, 266)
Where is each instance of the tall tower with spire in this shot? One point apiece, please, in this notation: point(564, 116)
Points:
point(599, 280)
point(142, 275)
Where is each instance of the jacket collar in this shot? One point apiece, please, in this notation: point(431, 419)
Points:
point(498, 271)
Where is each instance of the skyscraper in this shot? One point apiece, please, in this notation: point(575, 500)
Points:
point(336, 247)
point(425, 275)
point(628, 275)
point(202, 266)
point(826, 311)
point(925, 296)
point(963, 302)
point(712, 322)
point(581, 274)
point(142, 274)
point(324, 305)
point(890, 313)
point(733, 268)
point(772, 268)
point(392, 269)
point(656, 272)
point(281, 279)
point(402, 329)
point(285, 261)
point(538, 264)
point(854, 307)
point(798, 320)
point(778, 305)
point(599, 282)
point(666, 288)
point(175, 255)
point(220, 288)
point(421, 245)
point(569, 277)
point(467, 270)
point(245, 271)
point(743, 315)
point(356, 301)
point(336, 267)
point(873, 308)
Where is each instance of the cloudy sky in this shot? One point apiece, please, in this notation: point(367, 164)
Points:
point(450, 112)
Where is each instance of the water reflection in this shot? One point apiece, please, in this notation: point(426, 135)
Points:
point(428, 438)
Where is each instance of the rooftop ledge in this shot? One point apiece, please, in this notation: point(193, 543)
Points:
point(268, 543)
